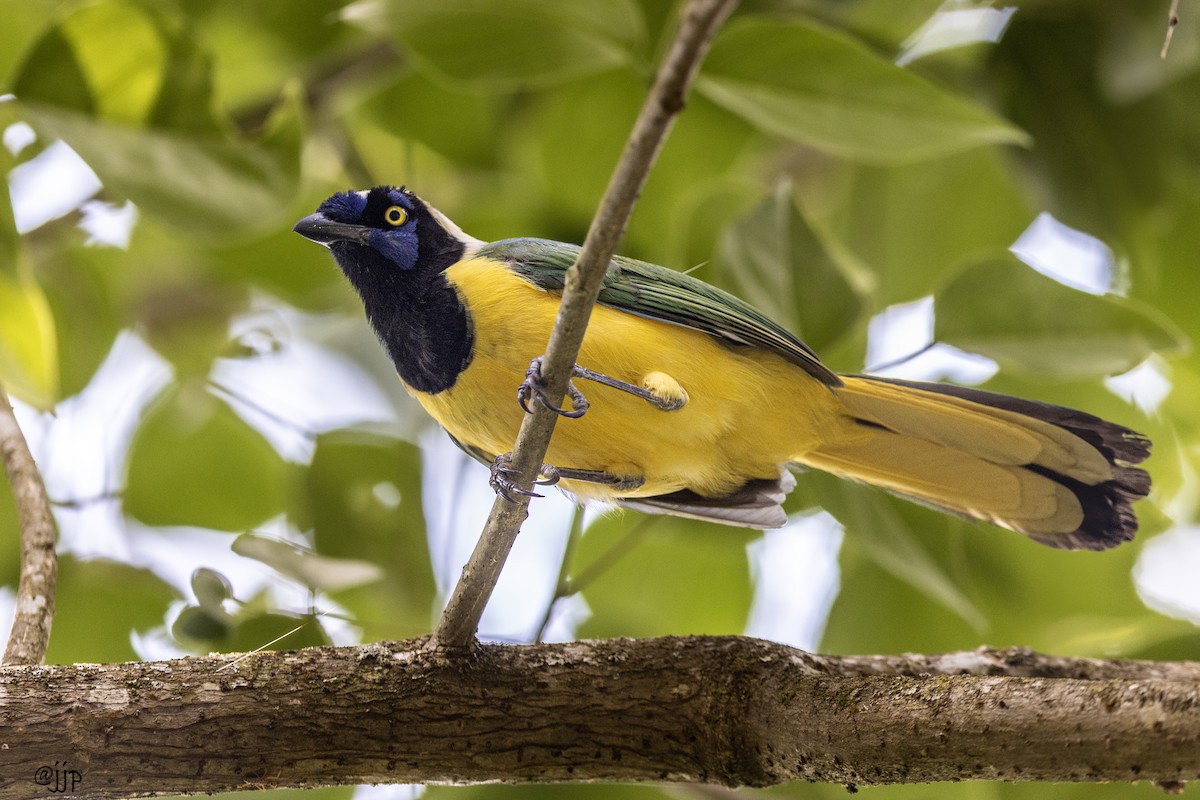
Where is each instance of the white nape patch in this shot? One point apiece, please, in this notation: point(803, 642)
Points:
point(108, 224)
point(953, 26)
point(59, 166)
point(796, 579)
point(17, 137)
point(1145, 386)
point(1071, 257)
point(470, 244)
point(900, 345)
point(1165, 573)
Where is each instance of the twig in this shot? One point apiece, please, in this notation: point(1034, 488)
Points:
point(39, 566)
point(1172, 23)
point(568, 586)
point(701, 20)
point(562, 587)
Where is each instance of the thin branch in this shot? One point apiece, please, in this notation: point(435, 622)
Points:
point(904, 359)
point(725, 711)
point(34, 612)
point(562, 586)
point(701, 20)
point(1172, 23)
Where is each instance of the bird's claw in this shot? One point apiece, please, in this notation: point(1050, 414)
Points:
point(533, 387)
point(502, 479)
point(551, 476)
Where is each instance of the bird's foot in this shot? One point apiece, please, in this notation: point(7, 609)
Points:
point(533, 387)
point(503, 478)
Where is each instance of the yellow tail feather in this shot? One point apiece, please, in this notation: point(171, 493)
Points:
point(1062, 477)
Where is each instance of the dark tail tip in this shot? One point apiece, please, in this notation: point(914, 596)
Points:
point(1108, 518)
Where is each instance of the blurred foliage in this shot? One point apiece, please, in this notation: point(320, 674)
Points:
point(809, 174)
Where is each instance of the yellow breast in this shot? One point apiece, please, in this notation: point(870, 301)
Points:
point(747, 411)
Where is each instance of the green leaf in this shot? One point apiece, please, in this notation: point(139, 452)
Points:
point(194, 461)
point(704, 147)
point(201, 630)
point(361, 496)
point(10, 537)
point(690, 577)
point(557, 791)
point(9, 238)
point(913, 223)
point(872, 518)
point(123, 62)
point(276, 631)
point(201, 624)
point(98, 604)
point(130, 90)
point(825, 89)
point(512, 45)
point(462, 126)
point(81, 284)
point(1003, 309)
point(204, 184)
point(23, 23)
point(211, 588)
point(773, 258)
point(318, 573)
point(28, 342)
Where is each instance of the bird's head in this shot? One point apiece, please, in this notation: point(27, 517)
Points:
point(384, 233)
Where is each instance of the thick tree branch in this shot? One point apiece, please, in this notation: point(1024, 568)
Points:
point(34, 611)
point(720, 710)
point(701, 20)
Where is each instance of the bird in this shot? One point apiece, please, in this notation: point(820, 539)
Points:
point(697, 404)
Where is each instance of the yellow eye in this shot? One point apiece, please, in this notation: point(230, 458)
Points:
point(395, 215)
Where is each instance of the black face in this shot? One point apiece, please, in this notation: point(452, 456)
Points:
point(381, 219)
point(392, 222)
point(394, 252)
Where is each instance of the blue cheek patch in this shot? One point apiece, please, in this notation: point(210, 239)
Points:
point(398, 247)
point(344, 207)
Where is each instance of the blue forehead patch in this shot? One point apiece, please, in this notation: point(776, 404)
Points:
point(344, 207)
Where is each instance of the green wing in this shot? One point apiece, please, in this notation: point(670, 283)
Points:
point(655, 292)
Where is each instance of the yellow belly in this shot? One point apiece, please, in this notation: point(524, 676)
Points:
point(748, 410)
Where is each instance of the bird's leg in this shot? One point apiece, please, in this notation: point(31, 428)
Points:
point(532, 386)
point(669, 397)
point(622, 484)
point(502, 478)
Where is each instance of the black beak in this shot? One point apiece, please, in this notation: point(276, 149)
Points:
point(322, 230)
